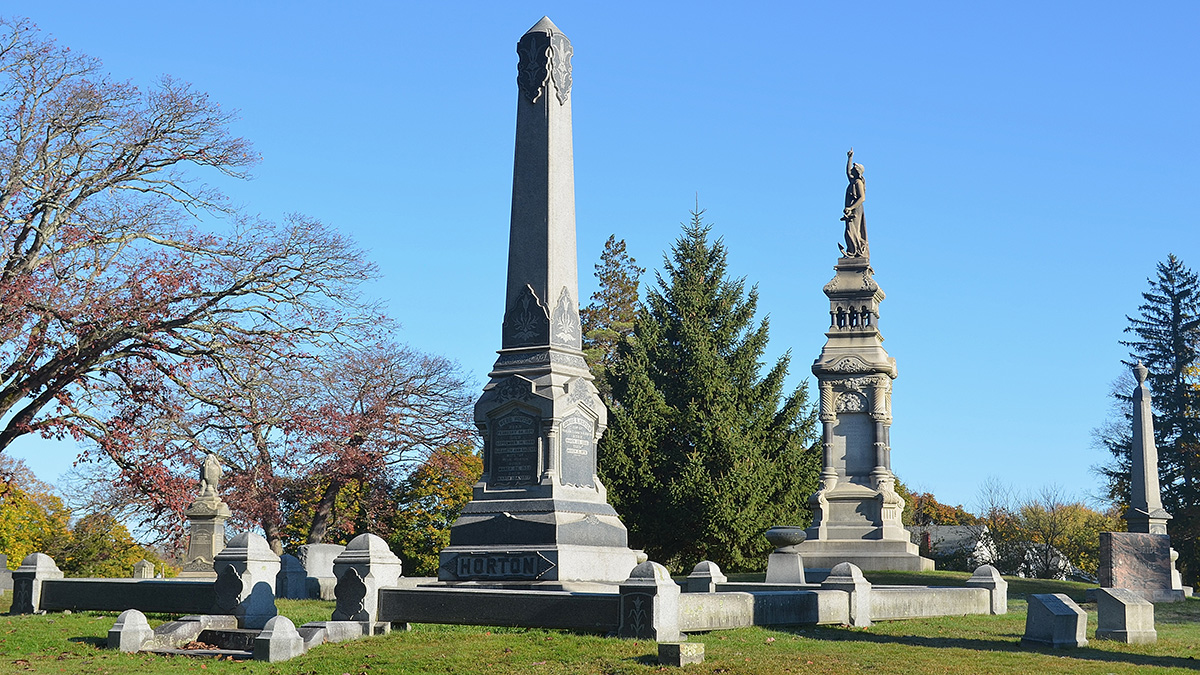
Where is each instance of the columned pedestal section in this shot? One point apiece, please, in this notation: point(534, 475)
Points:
point(539, 515)
point(856, 511)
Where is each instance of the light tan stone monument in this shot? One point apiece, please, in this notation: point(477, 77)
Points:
point(856, 511)
point(206, 523)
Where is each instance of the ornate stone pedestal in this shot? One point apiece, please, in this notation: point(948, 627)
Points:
point(856, 511)
point(206, 524)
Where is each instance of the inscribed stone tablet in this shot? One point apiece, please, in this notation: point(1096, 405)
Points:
point(1135, 560)
point(579, 450)
point(853, 445)
point(514, 449)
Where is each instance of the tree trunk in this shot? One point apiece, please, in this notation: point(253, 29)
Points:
point(323, 512)
point(274, 537)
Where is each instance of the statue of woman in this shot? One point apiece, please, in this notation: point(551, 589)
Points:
point(852, 215)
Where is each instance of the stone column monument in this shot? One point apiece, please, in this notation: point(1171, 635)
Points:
point(1145, 513)
point(206, 523)
point(856, 511)
point(539, 513)
point(1142, 559)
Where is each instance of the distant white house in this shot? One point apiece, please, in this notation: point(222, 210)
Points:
point(970, 544)
point(953, 541)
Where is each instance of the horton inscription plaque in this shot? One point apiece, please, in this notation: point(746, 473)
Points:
point(498, 565)
point(515, 449)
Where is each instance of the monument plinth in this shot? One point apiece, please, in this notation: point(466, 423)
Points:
point(206, 523)
point(539, 514)
point(856, 511)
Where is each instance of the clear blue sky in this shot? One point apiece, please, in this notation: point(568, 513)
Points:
point(1027, 165)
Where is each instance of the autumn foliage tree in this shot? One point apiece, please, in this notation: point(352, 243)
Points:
point(923, 508)
point(32, 518)
point(311, 446)
point(127, 325)
point(429, 501)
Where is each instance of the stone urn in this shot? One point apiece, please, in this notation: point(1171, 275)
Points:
point(785, 537)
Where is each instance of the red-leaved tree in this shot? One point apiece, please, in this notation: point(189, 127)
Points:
point(142, 315)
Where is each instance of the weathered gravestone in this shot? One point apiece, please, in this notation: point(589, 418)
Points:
point(649, 606)
point(131, 632)
point(279, 641)
point(292, 580)
point(245, 585)
point(856, 511)
point(318, 563)
point(1124, 616)
point(704, 577)
point(27, 582)
point(1055, 620)
point(539, 514)
point(206, 523)
point(366, 566)
point(5, 574)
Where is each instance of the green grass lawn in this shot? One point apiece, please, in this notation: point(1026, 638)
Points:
point(73, 643)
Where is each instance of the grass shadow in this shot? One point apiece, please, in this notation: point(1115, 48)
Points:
point(1013, 645)
point(90, 640)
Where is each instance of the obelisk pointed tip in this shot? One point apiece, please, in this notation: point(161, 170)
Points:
point(544, 26)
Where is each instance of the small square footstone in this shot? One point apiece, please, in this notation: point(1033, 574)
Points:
point(1054, 620)
point(680, 653)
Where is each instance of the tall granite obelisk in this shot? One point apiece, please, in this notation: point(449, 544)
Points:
point(856, 511)
point(539, 513)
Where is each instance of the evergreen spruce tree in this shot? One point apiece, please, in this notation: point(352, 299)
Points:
point(610, 316)
point(703, 453)
point(1167, 337)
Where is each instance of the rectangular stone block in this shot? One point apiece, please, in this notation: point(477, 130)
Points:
point(724, 610)
point(1054, 620)
point(908, 602)
point(680, 653)
point(1124, 616)
point(1135, 560)
point(492, 607)
point(168, 596)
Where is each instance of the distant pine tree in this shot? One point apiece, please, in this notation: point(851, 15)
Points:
point(1167, 339)
point(703, 453)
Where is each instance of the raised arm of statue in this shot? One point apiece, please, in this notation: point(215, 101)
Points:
point(850, 165)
